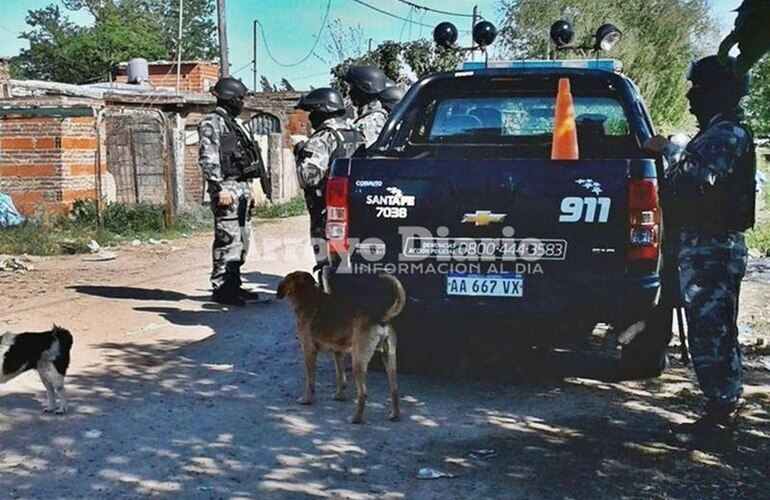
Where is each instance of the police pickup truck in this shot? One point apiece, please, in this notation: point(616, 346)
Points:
point(461, 199)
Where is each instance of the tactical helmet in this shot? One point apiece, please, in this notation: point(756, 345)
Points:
point(709, 72)
point(326, 100)
point(229, 88)
point(367, 79)
point(391, 96)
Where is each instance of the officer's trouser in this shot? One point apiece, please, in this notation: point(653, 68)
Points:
point(316, 207)
point(232, 234)
point(711, 271)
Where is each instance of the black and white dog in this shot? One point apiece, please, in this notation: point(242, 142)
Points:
point(47, 352)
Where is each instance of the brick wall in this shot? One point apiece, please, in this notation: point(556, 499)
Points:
point(47, 163)
point(193, 177)
point(194, 76)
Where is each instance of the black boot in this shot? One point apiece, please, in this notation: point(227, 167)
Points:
point(714, 431)
point(249, 296)
point(228, 295)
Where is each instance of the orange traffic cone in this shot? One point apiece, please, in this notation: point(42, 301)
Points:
point(565, 145)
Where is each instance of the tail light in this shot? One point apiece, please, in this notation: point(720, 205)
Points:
point(644, 220)
point(337, 213)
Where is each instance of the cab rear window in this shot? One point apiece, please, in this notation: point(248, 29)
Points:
point(502, 115)
point(495, 119)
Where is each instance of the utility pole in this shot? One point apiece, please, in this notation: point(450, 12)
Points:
point(254, 54)
point(370, 45)
point(224, 63)
point(474, 19)
point(179, 48)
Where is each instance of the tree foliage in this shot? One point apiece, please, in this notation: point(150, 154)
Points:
point(660, 38)
point(401, 62)
point(62, 51)
point(759, 97)
point(344, 42)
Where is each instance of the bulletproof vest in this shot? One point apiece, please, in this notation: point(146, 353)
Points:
point(728, 206)
point(348, 141)
point(238, 154)
point(372, 112)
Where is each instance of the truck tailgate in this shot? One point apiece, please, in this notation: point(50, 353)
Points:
point(525, 231)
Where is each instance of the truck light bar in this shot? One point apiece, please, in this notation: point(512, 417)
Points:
point(612, 65)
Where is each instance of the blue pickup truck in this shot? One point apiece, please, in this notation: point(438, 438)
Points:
point(461, 200)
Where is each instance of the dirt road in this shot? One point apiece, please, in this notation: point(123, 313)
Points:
point(176, 397)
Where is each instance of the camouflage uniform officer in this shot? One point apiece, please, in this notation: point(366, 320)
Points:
point(710, 202)
point(230, 160)
point(332, 138)
point(366, 84)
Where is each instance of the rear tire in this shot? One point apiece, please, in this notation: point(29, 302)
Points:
point(645, 356)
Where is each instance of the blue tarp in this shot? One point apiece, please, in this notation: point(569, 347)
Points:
point(9, 216)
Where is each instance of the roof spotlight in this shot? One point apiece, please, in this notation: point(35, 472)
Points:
point(445, 35)
point(607, 37)
point(562, 33)
point(484, 33)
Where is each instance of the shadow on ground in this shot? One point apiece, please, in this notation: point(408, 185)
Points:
point(217, 418)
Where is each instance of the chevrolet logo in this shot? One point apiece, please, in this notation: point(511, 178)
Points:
point(482, 218)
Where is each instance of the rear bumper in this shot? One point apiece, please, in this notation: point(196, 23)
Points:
point(615, 298)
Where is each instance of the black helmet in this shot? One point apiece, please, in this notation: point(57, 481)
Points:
point(391, 96)
point(229, 88)
point(709, 72)
point(367, 79)
point(326, 100)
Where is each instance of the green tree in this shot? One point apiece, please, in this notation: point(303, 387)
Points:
point(123, 29)
point(344, 42)
point(660, 38)
point(400, 60)
point(758, 105)
point(199, 30)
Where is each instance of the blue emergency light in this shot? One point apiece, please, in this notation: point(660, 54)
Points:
point(612, 65)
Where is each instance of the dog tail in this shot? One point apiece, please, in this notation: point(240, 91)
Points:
point(400, 302)
point(63, 336)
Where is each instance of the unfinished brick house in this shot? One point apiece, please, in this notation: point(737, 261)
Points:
point(195, 76)
point(125, 143)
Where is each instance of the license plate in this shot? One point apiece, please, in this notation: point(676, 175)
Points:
point(476, 285)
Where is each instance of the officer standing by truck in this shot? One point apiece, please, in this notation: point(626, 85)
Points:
point(709, 202)
point(332, 138)
point(366, 85)
point(230, 160)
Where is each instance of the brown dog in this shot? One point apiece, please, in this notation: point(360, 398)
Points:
point(333, 323)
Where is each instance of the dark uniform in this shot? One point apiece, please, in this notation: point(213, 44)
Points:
point(709, 203)
point(712, 204)
point(332, 138)
point(230, 160)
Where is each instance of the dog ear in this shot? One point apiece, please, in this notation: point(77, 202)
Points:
point(281, 292)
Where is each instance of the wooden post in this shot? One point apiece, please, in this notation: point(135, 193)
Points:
point(168, 177)
point(224, 63)
point(179, 48)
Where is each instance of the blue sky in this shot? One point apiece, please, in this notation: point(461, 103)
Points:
point(291, 26)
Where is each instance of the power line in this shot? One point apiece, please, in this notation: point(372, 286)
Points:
point(390, 14)
point(437, 11)
point(312, 49)
point(242, 68)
